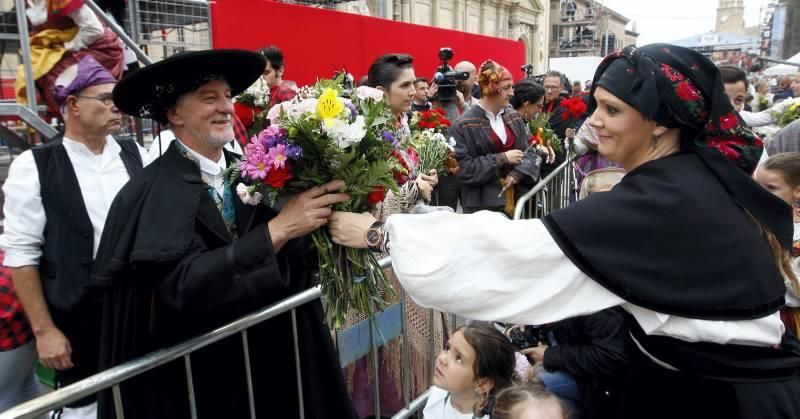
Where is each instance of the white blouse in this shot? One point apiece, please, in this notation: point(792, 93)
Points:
point(486, 267)
point(100, 177)
point(438, 406)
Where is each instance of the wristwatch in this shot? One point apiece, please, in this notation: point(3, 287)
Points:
point(374, 236)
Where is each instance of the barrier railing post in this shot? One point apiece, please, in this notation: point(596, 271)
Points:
point(118, 402)
point(297, 365)
point(190, 386)
point(249, 375)
point(376, 378)
point(406, 368)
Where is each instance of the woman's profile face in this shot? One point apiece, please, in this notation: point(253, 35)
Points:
point(625, 136)
point(401, 92)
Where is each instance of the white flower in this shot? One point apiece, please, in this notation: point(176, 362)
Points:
point(244, 195)
point(260, 90)
point(346, 134)
point(451, 143)
point(292, 109)
point(366, 92)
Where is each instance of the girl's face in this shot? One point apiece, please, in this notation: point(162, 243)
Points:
point(401, 92)
point(775, 183)
point(454, 371)
point(625, 136)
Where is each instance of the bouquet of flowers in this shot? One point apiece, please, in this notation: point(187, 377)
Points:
point(434, 119)
point(317, 137)
point(430, 142)
point(250, 106)
point(432, 150)
point(542, 135)
point(787, 112)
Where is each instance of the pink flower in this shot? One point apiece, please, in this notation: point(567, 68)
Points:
point(255, 164)
point(277, 156)
point(246, 197)
point(366, 92)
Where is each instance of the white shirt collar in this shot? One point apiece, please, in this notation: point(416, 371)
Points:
point(207, 165)
point(111, 147)
point(491, 116)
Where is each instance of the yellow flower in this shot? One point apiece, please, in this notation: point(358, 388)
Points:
point(329, 106)
point(794, 107)
point(541, 129)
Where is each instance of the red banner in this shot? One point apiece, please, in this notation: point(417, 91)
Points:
point(318, 42)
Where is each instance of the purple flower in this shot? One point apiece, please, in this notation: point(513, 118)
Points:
point(353, 110)
point(389, 138)
point(294, 152)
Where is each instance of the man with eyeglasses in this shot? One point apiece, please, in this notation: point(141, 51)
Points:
point(57, 198)
point(553, 88)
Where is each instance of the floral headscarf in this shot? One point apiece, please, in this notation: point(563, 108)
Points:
point(680, 88)
point(490, 76)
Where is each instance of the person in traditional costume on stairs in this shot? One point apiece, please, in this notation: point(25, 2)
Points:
point(491, 143)
point(688, 244)
point(63, 33)
point(57, 199)
point(182, 254)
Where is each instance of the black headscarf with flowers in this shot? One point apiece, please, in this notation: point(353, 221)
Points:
point(676, 234)
point(681, 88)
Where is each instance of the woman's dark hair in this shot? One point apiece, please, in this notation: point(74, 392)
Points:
point(526, 90)
point(494, 359)
point(509, 399)
point(732, 74)
point(274, 55)
point(788, 164)
point(387, 68)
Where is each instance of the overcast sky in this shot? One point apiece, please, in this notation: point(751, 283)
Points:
point(670, 20)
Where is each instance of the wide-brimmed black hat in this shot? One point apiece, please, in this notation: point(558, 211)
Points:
point(149, 91)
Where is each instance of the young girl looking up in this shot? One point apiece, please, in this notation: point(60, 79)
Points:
point(477, 363)
point(780, 175)
point(529, 401)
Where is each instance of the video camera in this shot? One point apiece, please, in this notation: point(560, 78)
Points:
point(528, 338)
point(446, 78)
point(528, 70)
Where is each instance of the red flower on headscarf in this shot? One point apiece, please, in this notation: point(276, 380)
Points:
point(376, 195)
point(730, 147)
point(687, 92)
point(728, 121)
point(672, 74)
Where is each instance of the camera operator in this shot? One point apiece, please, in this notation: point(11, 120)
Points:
point(582, 360)
point(468, 88)
point(421, 102)
point(444, 83)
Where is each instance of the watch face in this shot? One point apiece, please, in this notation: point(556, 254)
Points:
point(372, 237)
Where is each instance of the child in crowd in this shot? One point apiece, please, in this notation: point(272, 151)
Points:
point(528, 401)
point(477, 363)
point(780, 175)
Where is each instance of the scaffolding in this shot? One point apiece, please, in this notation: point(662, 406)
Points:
point(578, 29)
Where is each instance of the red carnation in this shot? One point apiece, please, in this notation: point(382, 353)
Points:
point(376, 195)
point(278, 177)
point(685, 91)
point(728, 121)
point(574, 108)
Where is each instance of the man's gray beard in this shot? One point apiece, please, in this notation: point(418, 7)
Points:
point(211, 139)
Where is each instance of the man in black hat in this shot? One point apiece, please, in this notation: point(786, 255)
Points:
point(182, 255)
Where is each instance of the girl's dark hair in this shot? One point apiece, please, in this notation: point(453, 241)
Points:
point(494, 359)
point(512, 397)
point(732, 74)
point(387, 68)
point(526, 90)
point(788, 164)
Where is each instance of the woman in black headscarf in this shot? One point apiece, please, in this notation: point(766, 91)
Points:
point(690, 247)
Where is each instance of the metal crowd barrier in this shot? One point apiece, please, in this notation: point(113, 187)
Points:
point(555, 191)
point(113, 377)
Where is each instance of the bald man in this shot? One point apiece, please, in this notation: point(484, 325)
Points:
point(466, 86)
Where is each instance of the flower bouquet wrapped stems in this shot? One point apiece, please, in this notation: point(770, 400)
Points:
point(318, 137)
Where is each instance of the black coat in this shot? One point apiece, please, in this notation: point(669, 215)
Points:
point(172, 271)
point(593, 350)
